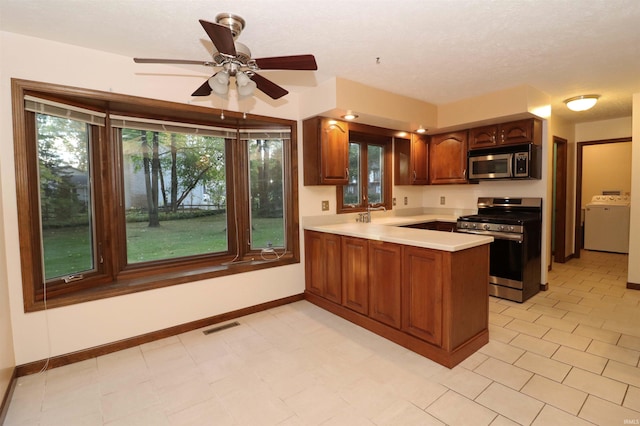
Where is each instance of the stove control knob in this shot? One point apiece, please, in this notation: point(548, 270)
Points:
point(486, 226)
point(512, 228)
point(474, 226)
point(501, 228)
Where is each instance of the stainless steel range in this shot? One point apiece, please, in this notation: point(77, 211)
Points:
point(515, 254)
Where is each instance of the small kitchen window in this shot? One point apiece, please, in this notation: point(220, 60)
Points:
point(369, 174)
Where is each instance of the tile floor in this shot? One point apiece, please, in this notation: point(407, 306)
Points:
point(568, 356)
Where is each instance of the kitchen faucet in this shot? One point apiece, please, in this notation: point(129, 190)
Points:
point(366, 217)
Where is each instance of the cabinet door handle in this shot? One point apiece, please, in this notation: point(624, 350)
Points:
point(347, 172)
point(415, 176)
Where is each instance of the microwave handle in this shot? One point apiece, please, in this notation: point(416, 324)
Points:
point(511, 163)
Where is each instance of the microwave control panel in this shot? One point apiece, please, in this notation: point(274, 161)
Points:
point(521, 164)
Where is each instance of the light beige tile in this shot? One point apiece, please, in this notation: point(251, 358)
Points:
point(623, 373)
point(626, 356)
point(564, 297)
point(499, 319)
point(513, 405)
point(632, 398)
point(559, 324)
point(523, 314)
point(600, 334)
point(601, 412)
point(402, 413)
point(501, 334)
point(454, 409)
point(501, 351)
point(584, 319)
point(547, 310)
point(574, 307)
point(503, 421)
point(594, 384)
point(543, 366)
point(580, 359)
point(502, 372)
point(535, 330)
point(551, 416)
point(535, 345)
point(567, 339)
point(463, 381)
point(629, 342)
point(556, 394)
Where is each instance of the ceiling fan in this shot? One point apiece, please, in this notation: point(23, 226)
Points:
point(235, 60)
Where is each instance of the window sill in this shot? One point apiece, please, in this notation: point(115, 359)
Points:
point(152, 282)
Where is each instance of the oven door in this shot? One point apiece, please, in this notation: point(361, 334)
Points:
point(491, 166)
point(507, 262)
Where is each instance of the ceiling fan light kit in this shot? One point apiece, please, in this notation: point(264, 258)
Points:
point(235, 60)
point(582, 102)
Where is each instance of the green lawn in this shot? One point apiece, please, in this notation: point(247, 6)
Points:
point(67, 250)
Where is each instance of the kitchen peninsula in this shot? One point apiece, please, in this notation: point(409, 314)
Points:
point(425, 290)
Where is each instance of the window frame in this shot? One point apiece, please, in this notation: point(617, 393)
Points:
point(114, 276)
point(366, 138)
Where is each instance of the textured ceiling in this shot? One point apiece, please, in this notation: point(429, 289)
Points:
point(438, 51)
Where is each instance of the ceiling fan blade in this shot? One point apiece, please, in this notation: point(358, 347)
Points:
point(171, 61)
point(295, 62)
point(268, 86)
point(221, 37)
point(204, 90)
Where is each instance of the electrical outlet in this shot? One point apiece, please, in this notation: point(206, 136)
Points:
point(442, 200)
point(325, 205)
point(406, 200)
point(393, 201)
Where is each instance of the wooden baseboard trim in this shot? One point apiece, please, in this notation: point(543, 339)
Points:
point(4, 406)
point(60, 360)
point(633, 286)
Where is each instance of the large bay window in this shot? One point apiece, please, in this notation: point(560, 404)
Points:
point(119, 194)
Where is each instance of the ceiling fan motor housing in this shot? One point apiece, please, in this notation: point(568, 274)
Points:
point(234, 22)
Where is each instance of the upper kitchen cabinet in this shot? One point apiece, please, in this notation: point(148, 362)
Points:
point(325, 151)
point(513, 132)
point(448, 158)
point(411, 160)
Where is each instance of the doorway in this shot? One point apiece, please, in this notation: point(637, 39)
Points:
point(559, 208)
point(579, 227)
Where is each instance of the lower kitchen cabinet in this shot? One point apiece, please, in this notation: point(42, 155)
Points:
point(433, 302)
point(355, 274)
point(384, 282)
point(323, 265)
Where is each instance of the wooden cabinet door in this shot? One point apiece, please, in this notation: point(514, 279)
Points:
point(483, 137)
point(323, 265)
point(385, 268)
point(422, 294)
point(334, 152)
point(420, 159)
point(325, 151)
point(448, 158)
point(333, 262)
point(355, 276)
point(314, 266)
point(517, 132)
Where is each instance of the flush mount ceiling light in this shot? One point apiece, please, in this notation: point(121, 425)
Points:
point(582, 102)
point(349, 115)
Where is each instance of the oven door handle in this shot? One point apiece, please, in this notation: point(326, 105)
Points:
point(497, 235)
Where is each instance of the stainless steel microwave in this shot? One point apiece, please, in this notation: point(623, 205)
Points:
point(506, 162)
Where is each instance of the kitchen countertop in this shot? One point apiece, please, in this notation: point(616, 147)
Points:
point(390, 229)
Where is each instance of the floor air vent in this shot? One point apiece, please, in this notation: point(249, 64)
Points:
point(221, 327)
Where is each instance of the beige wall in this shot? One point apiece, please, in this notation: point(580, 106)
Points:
point(7, 359)
point(605, 167)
